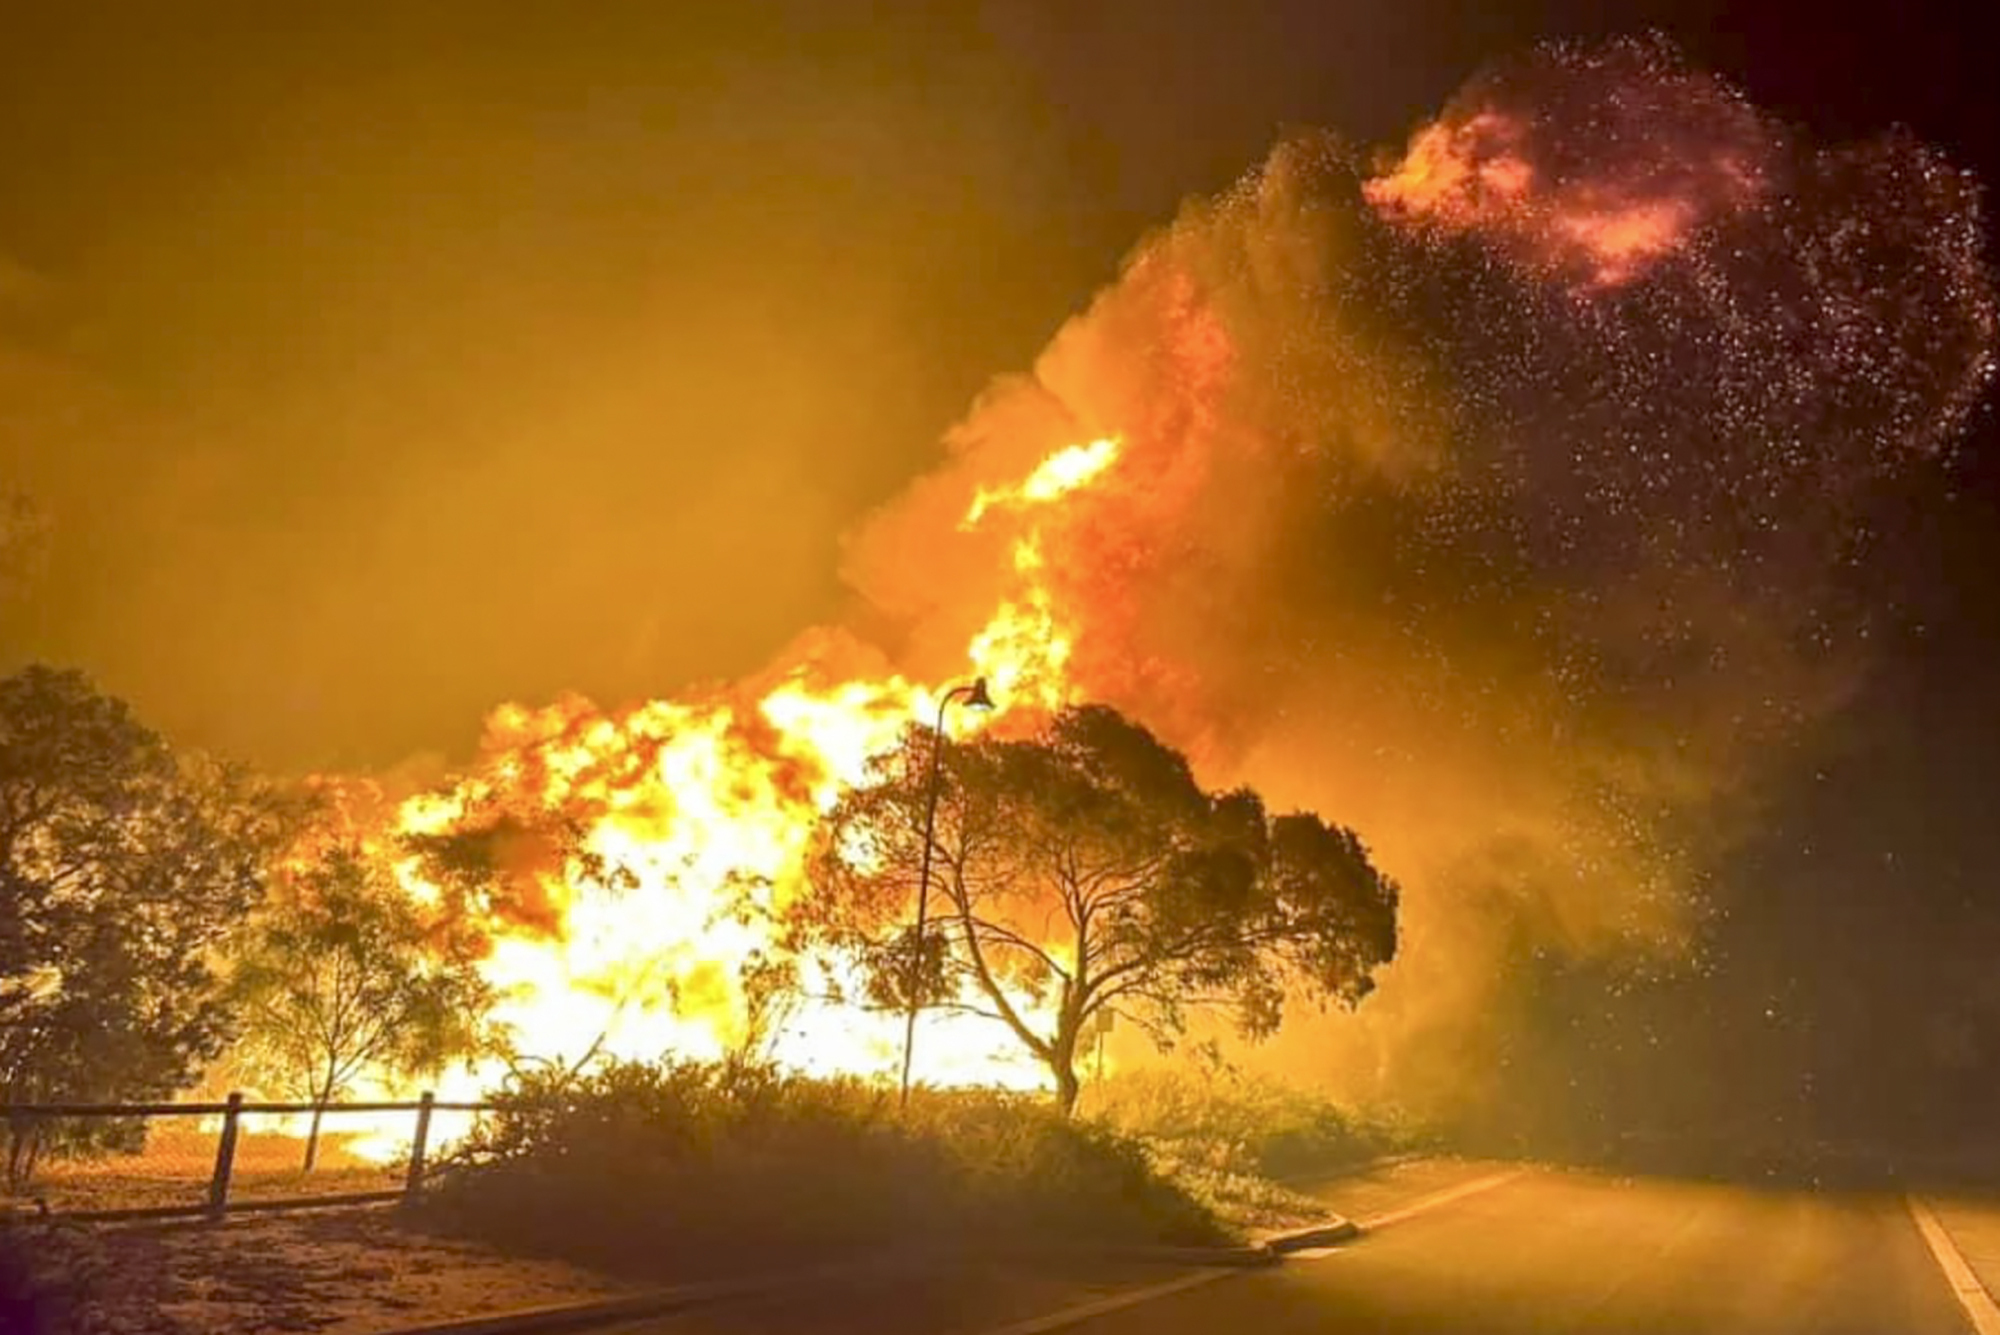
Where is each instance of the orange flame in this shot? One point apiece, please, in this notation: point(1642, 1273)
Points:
point(1060, 473)
point(707, 808)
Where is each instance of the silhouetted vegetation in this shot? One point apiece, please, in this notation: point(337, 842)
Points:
point(1085, 869)
point(123, 867)
point(637, 1166)
point(1232, 1139)
point(343, 973)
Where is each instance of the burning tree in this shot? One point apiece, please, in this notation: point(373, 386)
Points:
point(123, 869)
point(1083, 872)
point(344, 974)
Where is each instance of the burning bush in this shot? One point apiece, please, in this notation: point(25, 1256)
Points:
point(679, 1166)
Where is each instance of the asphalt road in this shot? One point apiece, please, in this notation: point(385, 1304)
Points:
point(1555, 1252)
point(1545, 1251)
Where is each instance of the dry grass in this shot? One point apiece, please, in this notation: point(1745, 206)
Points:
point(178, 1162)
point(337, 1272)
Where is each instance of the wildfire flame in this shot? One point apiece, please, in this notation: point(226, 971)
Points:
point(707, 807)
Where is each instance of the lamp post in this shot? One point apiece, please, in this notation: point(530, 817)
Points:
point(976, 697)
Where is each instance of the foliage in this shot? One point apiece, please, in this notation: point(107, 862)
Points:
point(122, 869)
point(343, 973)
point(1245, 1124)
point(772, 993)
point(687, 1162)
point(1233, 1139)
point(491, 863)
point(1084, 872)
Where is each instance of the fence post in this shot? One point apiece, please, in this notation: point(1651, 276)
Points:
point(414, 1183)
point(225, 1158)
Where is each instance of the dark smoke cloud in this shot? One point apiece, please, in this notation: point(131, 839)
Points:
point(1519, 561)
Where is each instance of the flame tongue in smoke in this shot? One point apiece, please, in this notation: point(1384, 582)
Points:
point(1060, 473)
point(1024, 648)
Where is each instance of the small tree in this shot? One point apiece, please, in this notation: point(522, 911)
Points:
point(772, 994)
point(123, 869)
point(344, 974)
point(1084, 872)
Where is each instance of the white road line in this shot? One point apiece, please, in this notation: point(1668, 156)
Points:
point(1070, 1316)
point(1965, 1285)
point(1424, 1204)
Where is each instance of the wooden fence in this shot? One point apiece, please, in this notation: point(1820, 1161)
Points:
point(232, 1112)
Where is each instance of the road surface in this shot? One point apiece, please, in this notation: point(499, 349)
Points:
point(1541, 1251)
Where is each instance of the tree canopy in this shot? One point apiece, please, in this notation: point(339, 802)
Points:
point(343, 973)
point(1083, 872)
point(122, 869)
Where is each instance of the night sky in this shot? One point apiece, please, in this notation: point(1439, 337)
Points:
point(374, 368)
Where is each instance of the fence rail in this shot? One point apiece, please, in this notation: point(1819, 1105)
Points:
point(223, 1172)
point(12, 1110)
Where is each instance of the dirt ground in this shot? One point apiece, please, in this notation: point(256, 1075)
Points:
point(357, 1270)
point(337, 1271)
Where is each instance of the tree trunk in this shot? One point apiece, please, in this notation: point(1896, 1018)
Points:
point(312, 1135)
point(1062, 1060)
point(1067, 1087)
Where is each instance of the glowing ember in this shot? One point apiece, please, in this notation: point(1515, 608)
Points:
point(1598, 200)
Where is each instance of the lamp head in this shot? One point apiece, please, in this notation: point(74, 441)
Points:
point(979, 698)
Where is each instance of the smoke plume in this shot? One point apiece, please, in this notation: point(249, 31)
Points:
point(1492, 498)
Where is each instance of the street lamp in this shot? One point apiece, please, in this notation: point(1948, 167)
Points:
point(976, 697)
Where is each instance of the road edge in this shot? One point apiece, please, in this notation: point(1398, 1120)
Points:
point(1209, 1261)
point(1959, 1276)
point(597, 1311)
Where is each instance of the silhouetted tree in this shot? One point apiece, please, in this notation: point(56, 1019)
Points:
point(1084, 872)
point(343, 973)
point(122, 870)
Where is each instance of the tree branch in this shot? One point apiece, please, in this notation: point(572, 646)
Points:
point(1012, 1018)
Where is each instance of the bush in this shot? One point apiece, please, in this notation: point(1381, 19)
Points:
point(1224, 1137)
point(1227, 1121)
point(678, 1166)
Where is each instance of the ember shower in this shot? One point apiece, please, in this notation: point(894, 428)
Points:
point(1485, 497)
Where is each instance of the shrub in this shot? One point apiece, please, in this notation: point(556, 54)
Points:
point(1228, 1121)
point(678, 1166)
point(1224, 1137)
